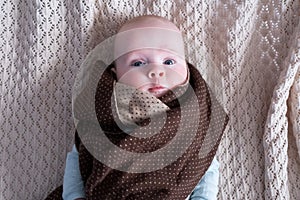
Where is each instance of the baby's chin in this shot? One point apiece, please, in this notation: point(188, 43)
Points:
point(158, 94)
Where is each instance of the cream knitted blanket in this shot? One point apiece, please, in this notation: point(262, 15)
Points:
point(249, 53)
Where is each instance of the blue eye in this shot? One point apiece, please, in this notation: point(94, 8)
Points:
point(169, 62)
point(138, 63)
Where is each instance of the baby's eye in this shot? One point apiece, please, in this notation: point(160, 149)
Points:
point(169, 62)
point(138, 63)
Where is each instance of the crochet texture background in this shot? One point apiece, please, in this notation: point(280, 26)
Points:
point(253, 45)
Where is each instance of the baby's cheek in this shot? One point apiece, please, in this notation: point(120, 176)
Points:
point(177, 78)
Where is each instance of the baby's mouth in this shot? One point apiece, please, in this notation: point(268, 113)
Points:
point(157, 90)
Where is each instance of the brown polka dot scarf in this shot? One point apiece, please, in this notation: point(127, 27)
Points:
point(169, 142)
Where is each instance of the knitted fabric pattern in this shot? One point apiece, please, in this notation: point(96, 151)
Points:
point(253, 46)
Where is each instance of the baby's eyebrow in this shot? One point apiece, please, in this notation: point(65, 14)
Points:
point(130, 58)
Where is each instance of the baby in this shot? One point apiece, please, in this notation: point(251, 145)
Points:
point(159, 85)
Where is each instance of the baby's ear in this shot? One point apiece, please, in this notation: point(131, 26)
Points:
point(113, 72)
point(113, 69)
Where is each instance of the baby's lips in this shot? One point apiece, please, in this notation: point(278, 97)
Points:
point(156, 88)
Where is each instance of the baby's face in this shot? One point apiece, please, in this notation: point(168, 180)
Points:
point(152, 70)
point(149, 55)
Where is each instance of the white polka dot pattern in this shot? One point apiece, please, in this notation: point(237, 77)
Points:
point(174, 181)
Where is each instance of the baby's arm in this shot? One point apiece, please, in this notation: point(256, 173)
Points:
point(207, 188)
point(73, 187)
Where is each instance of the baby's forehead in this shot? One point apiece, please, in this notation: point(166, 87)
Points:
point(148, 37)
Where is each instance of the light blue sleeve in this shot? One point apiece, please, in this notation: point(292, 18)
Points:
point(207, 188)
point(73, 186)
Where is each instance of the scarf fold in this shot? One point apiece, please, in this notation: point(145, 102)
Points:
point(164, 137)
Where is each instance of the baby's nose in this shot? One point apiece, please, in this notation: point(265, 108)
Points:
point(156, 72)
